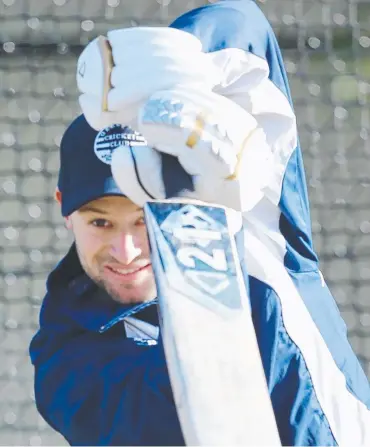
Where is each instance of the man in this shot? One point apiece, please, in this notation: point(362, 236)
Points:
point(100, 371)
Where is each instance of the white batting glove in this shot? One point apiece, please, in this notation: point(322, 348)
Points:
point(158, 81)
point(217, 142)
point(117, 74)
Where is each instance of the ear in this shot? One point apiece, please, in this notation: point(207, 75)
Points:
point(58, 198)
point(58, 195)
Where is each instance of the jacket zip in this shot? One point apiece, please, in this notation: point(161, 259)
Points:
point(134, 310)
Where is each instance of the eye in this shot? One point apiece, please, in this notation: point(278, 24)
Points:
point(101, 223)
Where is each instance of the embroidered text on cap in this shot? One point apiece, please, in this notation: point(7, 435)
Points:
point(114, 136)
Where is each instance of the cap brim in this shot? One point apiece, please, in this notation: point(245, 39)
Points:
point(74, 201)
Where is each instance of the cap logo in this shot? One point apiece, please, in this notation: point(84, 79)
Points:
point(115, 136)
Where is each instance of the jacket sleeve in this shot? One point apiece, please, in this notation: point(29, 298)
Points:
point(319, 392)
point(101, 390)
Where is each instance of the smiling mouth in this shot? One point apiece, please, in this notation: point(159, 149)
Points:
point(128, 272)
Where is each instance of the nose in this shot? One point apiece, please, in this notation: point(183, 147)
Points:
point(124, 249)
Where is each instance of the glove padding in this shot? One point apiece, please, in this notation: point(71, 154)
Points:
point(162, 84)
point(215, 140)
point(144, 60)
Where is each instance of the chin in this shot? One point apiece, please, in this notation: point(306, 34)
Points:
point(132, 296)
point(130, 299)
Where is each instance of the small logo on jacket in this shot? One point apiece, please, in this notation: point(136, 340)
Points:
point(115, 136)
point(141, 332)
point(145, 342)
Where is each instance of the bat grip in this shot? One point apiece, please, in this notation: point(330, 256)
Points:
point(175, 178)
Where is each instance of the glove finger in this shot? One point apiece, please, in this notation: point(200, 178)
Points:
point(246, 188)
point(137, 170)
point(150, 38)
point(175, 124)
point(235, 61)
point(168, 56)
point(201, 128)
point(90, 73)
point(92, 109)
point(165, 74)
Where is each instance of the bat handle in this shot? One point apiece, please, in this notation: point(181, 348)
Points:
point(175, 178)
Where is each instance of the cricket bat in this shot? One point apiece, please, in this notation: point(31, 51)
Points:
point(213, 359)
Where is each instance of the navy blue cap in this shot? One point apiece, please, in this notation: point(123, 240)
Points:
point(85, 156)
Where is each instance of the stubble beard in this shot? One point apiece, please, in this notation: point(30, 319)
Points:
point(99, 280)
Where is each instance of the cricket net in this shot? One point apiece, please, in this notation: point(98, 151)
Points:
point(326, 50)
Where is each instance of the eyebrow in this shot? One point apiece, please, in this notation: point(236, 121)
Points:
point(92, 209)
point(96, 209)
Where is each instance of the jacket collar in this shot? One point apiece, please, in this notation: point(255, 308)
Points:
point(72, 297)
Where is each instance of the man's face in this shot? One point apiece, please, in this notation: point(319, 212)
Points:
point(113, 248)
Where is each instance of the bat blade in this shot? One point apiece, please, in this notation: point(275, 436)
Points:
point(211, 350)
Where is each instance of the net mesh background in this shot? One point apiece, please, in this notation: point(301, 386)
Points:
point(326, 50)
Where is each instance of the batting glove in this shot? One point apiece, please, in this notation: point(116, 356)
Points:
point(116, 74)
point(216, 141)
point(158, 81)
